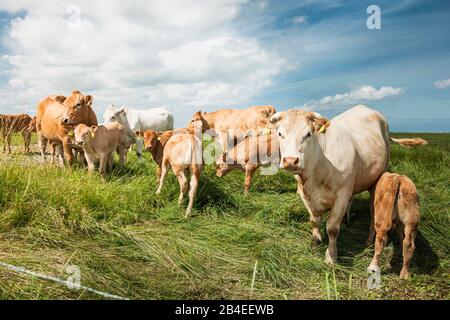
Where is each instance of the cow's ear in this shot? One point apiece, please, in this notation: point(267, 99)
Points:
point(60, 99)
point(319, 123)
point(89, 100)
point(139, 134)
point(276, 117)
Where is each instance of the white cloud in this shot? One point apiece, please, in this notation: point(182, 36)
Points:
point(299, 20)
point(181, 54)
point(360, 94)
point(442, 84)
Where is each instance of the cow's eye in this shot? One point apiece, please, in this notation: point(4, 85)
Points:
point(308, 135)
point(113, 119)
point(280, 135)
point(78, 105)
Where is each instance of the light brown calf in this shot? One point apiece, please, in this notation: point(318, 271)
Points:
point(154, 142)
point(396, 206)
point(100, 143)
point(249, 155)
point(10, 124)
point(183, 153)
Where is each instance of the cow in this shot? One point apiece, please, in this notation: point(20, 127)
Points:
point(333, 160)
point(237, 123)
point(396, 206)
point(158, 119)
point(57, 116)
point(183, 153)
point(249, 155)
point(100, 143)
point(154, 142)
point(10, 124)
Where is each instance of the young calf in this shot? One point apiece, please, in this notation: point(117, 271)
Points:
point(155, 141)
point(396, 205)
point(249, 155)
point(100, 143)
point(183, 153)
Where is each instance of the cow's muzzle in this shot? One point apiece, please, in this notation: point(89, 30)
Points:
point(290, 163)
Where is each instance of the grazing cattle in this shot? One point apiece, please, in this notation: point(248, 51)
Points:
point(10, 124)
point(334, 160)
point(58, 115)
point(237, 123)
point(396, 206)
point(183, 153)
point(249, 155)
point(158, 119)
point(155, 141)
point(100, 143)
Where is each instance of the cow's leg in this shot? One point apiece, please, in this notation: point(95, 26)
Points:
point(164, 169)
point(249, 172)
point(347, 214)
point(333, 225)
point(67, 151)
point(408, 250)
point(223, 141)
point(193, 188)
point(139, 147)
point(182, 180)
point(380, 242)
point(26, 140)
point(90, 163)
point(8, 141)
point(314, 218)
point(110, 161)
point(103, 162)
point(42, 141)
point(158, 172)
point(122, 156)
point(371, 236)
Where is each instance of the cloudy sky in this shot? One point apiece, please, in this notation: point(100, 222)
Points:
point(189, 55)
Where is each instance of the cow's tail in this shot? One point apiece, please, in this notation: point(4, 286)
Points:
point(410, 142)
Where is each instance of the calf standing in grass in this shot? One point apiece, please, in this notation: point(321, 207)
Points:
point(396, 206)
point(155, 141)
point(249, 155)
point(100, 143)
point(10, 124)
point(183, 153)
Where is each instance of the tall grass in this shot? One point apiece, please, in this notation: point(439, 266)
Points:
point(132, 243)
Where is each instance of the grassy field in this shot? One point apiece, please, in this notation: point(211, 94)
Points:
point(129, 242)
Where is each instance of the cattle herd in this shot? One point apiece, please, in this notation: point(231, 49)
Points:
point(331, 160)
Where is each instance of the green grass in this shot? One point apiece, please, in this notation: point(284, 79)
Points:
point(130, 242)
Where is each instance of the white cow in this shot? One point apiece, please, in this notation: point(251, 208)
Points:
point(136, 120)
point(333, 160)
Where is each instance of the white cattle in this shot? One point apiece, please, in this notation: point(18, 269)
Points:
point(136, 121)
point(333, 160)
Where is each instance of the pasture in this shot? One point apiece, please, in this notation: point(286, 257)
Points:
point(130, 242)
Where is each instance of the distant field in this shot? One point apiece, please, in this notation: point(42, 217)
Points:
point(129, 242)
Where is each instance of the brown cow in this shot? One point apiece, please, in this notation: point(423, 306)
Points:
point(237, 123)
point(183, 153)
point(10, 124)
point(57, 116)
point(100, 143)
point(249, 155)
point(396, 206)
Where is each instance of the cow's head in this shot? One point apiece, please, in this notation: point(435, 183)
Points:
point(198, 122)
point(112, 114)
point(83, 134)
point(150, 139)
point(297, 132)
point(77, 106)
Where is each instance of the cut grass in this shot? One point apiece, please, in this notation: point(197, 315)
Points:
point(132, 243)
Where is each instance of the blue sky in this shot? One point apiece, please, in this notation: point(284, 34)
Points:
point(303, 54)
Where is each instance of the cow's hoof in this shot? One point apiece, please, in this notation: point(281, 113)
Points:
point(373, 268)
point(405, 275)
point(329, 260)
